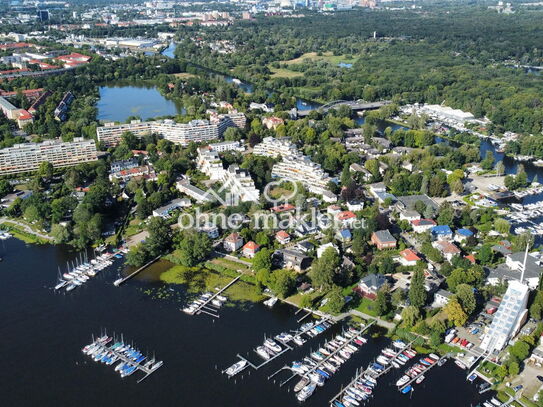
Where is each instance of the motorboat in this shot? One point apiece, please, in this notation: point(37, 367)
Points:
point(306, 392)
point(304, 381)
point(420, 379)
point(403, 380)
point(263, 352)
point(271, 344)
point(407, 389)
point(236, 368)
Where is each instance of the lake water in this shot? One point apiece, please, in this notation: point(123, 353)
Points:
point(43, 333)
point(119, 101)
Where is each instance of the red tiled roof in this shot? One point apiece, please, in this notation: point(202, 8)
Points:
point(409, 255)
point(448, 247)
point(345, 215)
point(282, 235)
point(233, 237)
point(251, 246)
point(283, 208)
point(423, 222)
point(471, 258)
point(24, 115)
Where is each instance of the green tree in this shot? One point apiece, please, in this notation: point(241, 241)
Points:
point(466, 298)
point(455, 313)
point(60, 234)
point(262, 260)
point(382, 302)
point(324, 269)
point(282, 282)
point(410, 316)
point(45, 169)
point(160, 237)
point(417, 293)
point(336, 301)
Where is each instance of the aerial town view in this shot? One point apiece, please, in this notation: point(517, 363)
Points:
point(243, 203)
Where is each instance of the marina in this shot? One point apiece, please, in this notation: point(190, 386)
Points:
point(270, 350)
point(320, 365)
point(209, 303)
point(130, 359)
point(81, 273)
point(417, 373)
point(395, 358)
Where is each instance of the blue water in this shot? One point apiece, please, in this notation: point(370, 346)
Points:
point(345, 65)
point(118, 102)
point(170, 51)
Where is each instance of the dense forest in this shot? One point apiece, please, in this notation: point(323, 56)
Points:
point(460, 58)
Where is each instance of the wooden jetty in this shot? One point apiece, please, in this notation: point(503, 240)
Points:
point(120, 281)
point(204, 308)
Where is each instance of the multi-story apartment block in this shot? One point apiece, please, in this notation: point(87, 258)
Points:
point(272, 147)
point(240, 185)
point(299, 168)
point(226, 146)
point(179, 133)
point(21, 116)
point(210, 163)
point(28, 157)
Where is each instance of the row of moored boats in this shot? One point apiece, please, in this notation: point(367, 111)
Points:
point(205, 300)
point(322, 364)
point(83, 273)
point(4, 235)
point(416, 372)
point(130, 359)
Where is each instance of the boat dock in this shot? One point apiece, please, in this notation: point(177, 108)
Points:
point(204, 306)
point(285, 344)
point(120, 281)
point(148, 368)
point(320, 364)
point(360, 373)
point(413, 379)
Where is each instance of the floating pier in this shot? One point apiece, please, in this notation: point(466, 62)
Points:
point(204, 306)
point(320, 364)
point(120, 281)
point(413, 379)
point(360, 373)
point(119, 352)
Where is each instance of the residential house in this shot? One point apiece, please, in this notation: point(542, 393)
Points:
point(422, 225)
point(370, 285)
point(305, 247)
point(292, 259)
point(462, 234)
point(409, 215)
point(250, 248)
point(442, 232)
point(164, 211)
point(447, 249)
point(282, 237)
point(233, 242)
point(210, 229)
point(409, 257)
point(512, 269)
point(355, 206)
point(322, 248)
point(346, 218)
point(441, 298)
point(383, 239)
point(344, 235)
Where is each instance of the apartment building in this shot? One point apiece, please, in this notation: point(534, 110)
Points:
point(226, 146)
point(209, 163)
point(179, 133)
point(21, 116)
point(299, 168)
point(240, 185)
point(27, 157)
point(272, 147)
point(196, 193)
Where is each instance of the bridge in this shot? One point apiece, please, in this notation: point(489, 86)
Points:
point(354, 105)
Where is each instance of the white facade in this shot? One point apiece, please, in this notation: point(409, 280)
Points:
point(240, 184)
point(508, 319)
point(272, 147)
point(210, 163)
point(226, 146)
point(299, 168)
point(28, 157)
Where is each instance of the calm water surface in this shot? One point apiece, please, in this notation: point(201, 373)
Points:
point(43, 332)
point(119, 101)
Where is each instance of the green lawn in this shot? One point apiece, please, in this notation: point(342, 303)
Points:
point(284, 73)
point(326, 56)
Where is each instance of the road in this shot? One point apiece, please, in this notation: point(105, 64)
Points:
point(26, 228)
point(378, 321)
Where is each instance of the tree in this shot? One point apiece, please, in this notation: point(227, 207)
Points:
point(488, 162)
point(466, 298)
point(446, 214)
point(137, 256)
point(500, 168)
point(45, 169)
point(193, 248)
point(5, 188)
point(398, 297)
point(60, 234)
point(382, 303)
point(160, 237)
point(336, 301)
point(520, 350)
point(514, 369)
point(262, 260)
point(282, 282)
point(386, 266)
point(502, 226)
point(455, 313)
point(410, 315)
point(262, 238)
point(417, 293)
point(324, 269)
